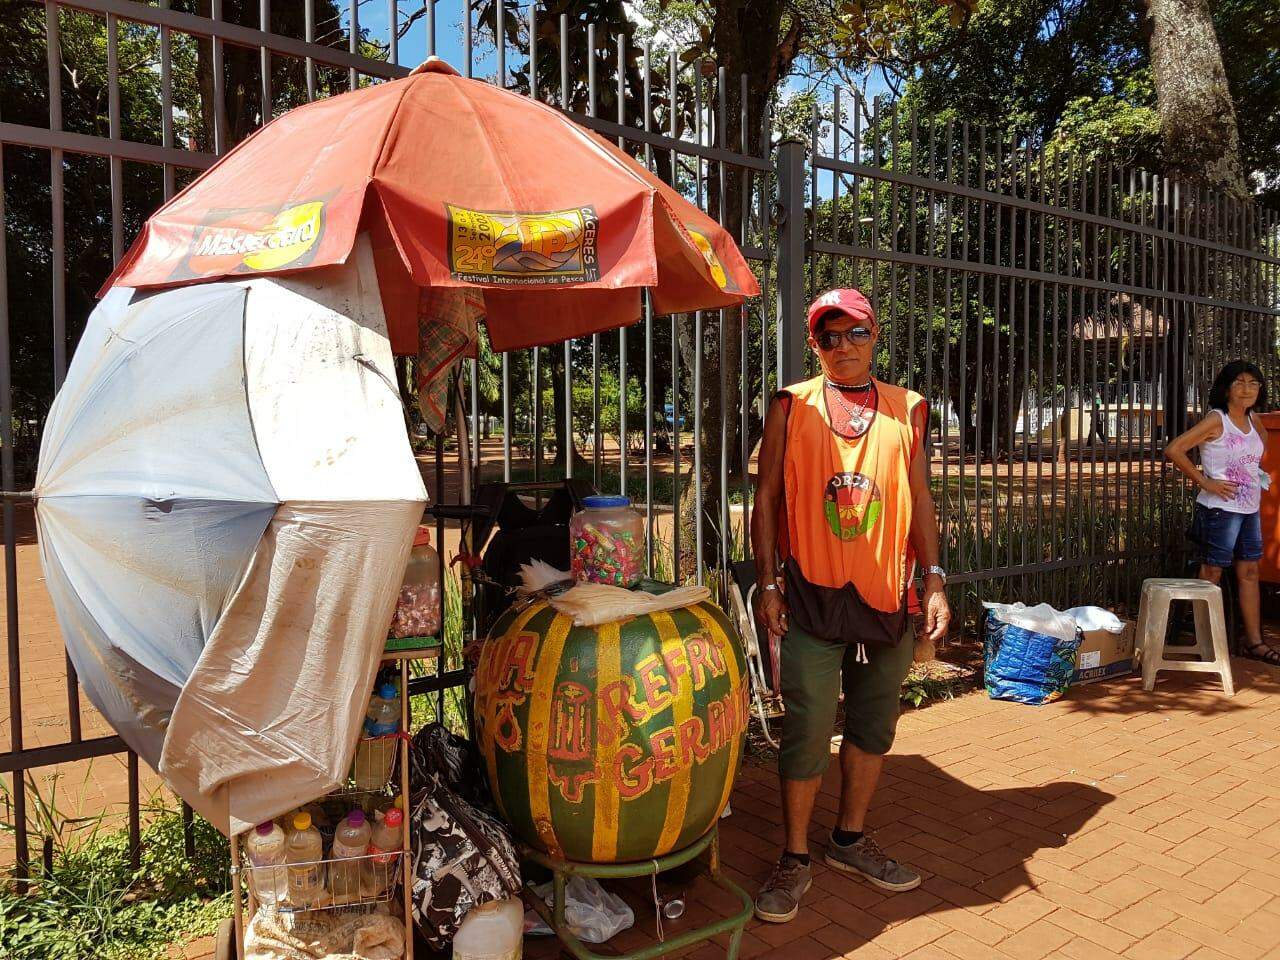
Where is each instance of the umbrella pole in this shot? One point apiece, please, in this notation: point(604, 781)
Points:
point(466, 587)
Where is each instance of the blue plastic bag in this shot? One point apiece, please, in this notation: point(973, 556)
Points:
point(1025, 666)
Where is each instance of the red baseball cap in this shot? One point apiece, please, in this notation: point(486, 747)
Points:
point(847, 301)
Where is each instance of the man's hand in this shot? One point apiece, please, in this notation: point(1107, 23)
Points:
point(773, 611)
point(937, 612)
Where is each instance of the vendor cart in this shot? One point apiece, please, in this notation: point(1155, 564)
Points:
point(396, 896)
point(216, 544)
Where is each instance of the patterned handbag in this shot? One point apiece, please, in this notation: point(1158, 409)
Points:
point(463, 855)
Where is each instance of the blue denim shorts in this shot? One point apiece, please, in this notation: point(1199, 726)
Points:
point(1224, 536)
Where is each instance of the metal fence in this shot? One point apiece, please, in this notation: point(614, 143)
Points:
point(1062, 316)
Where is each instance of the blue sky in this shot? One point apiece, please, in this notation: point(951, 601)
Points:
point(449, 35)
point(449, 40)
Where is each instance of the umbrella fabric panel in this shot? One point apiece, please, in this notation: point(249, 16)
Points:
point(322, 388)
point(154, 403)
point(516, 194)
point(138, 587)
point(516, 321)
point(151, 496)
point(699, 249)
point(287, 198)
point(271, 713)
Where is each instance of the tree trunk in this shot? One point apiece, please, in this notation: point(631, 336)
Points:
point(1197, 115)
point(748, 41)
point(1202, 147)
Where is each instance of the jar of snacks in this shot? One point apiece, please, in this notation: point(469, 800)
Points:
point(607, 542)
point(418, 608)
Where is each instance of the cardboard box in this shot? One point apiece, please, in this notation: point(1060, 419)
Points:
point(1104, 654)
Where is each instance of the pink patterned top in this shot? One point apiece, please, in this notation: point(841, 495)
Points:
point(1235, 456)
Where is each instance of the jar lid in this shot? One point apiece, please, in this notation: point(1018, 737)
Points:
point(604, 503)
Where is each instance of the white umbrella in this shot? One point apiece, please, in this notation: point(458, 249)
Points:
point(226, 500)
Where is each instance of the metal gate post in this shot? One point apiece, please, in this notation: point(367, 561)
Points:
point(791, 261)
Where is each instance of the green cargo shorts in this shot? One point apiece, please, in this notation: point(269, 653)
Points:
point(813, 673)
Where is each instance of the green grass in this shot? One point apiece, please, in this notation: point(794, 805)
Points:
point(93, 904)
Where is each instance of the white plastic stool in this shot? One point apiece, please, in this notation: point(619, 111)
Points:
point(1211, 630)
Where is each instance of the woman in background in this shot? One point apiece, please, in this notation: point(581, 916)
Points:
point(1226, 523)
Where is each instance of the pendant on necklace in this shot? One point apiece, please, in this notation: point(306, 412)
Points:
point(856, 424)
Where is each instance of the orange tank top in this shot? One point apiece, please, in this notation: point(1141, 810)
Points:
point(848, 502)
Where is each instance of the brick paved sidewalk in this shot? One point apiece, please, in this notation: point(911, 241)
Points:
point(1115, 822)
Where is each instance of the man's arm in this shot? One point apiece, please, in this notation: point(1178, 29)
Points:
point(924, 534)
point(764, 519)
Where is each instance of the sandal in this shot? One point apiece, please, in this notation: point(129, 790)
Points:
point(1263, 652)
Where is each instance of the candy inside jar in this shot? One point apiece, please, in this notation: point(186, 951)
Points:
point(418, 607)
point(607, 543)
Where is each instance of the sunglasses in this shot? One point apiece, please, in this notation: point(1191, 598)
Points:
point(854, 336)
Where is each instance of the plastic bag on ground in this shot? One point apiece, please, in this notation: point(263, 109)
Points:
point(1095, 618)
point(1041, 618)
point(593, 913)
point(325, 936)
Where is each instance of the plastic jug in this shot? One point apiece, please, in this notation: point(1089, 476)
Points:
point(418, 608)
point(264, 848)
point(374, 758)
point(304, 852)
point(387, 840)
point(350, 840)
point(491, 931)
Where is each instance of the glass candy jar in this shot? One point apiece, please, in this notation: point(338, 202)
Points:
point(418, 608)
point(607, 544)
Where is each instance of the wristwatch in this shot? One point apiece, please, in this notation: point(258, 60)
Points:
point(938, 571)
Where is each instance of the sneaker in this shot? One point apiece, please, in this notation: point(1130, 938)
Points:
point(867, 859)
point(779, 898)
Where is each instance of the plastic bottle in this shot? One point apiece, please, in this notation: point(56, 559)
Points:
point(383, 804)
point(304, 851)
point(491, 931)
point(386, 841)
point(374, 758)
point(350, 840)
point(264, 848)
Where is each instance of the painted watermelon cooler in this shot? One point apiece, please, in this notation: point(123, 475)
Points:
point(612, 750)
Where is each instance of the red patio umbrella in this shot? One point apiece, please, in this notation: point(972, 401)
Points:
point(459, 184)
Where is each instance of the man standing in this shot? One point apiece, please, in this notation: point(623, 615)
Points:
point(842, 513)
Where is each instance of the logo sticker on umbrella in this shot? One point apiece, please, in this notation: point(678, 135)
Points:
point(289, 236)
point(718, 274)
point(495, 246)
point(852, 504)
